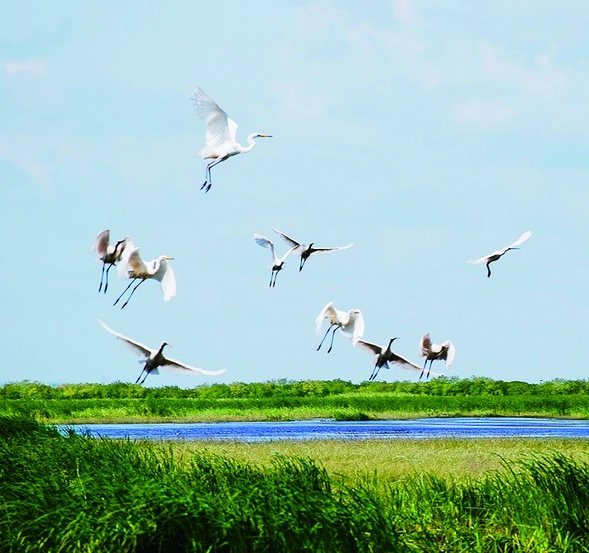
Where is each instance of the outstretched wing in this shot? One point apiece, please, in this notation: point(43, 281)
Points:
point(101, 243)
point(327, 250)
point(290, 241)
point(322, 314)
point(400, 361)
point(220, 128)
point(137, 347)
point(173, 366)
point(265, 243)
point(480, 260)
point(125, 265)
point(451, 353)
point(357, 330)
point(521, 239)
point(425, 345)
point(500, 252)
point(370, 347)
point(168, 280)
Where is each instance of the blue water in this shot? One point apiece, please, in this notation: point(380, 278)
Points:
point(357, 430)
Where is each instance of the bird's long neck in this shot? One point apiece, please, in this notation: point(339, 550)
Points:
point(390, 344)
point(250, 143)
point(161, 350)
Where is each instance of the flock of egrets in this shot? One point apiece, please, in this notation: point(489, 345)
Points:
point(221, 144)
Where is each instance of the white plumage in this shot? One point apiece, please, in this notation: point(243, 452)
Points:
point(488, 259)
point(108, 254)
point(221, 135)
point(277, 262)
point(304, 251)
point(432, 352)
point(154, 358)
point(351, 323)
point(384, 356)
point(133, 267)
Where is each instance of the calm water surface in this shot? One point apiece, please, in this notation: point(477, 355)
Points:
point(356, 430)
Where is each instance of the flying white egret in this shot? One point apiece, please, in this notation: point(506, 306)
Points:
point(221, 141)
point(431, 352)
point(154, 358)
point(488, 259)
point(277, 262)
point(304, 251)
point(384, 356)
point(351, 323)
point(108, 254)
point(132, 266)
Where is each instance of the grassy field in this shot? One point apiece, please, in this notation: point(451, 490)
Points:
point(79, 494)
point(286, 400)
point(461, 459)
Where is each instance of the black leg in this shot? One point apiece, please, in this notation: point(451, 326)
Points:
point(209, 181)
point(101, 277)
point(106, 279)
point(330, 327)
point(140, 374)
point(374, 372)
point(130, 284)
point(132, 292)
point(423, 370)
point(332, 337)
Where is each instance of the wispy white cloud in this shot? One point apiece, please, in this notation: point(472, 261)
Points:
point(406, 12)
point(32, 67)
point(484, 113)
point(542, 77)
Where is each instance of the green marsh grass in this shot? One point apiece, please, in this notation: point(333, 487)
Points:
point(292, 400)
point(71, 493)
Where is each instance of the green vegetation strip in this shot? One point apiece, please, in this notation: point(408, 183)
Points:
point(80, 494)
point(292, 400)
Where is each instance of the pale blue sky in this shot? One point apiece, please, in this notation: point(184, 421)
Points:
point(426, 132)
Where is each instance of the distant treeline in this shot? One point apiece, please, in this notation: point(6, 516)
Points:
point(294, 400)
point(476, 386)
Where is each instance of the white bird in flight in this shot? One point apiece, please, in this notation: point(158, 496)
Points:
point(384, 356)
point(351, 323)
point(132, 266)
point(304, 251)
point(154, 358)
point(108, 254)
point(431, 352)
point(488, 259)
point(221, 141)
point(277, 262)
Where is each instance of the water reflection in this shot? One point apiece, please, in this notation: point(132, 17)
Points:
point(356, 430)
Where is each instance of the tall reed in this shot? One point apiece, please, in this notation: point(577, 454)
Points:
point(75, 493)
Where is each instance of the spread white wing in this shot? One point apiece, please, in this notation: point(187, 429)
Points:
point(221, 130)
point(327, 250)
point(173, 366)
point(322, 315)
point(370, 347)
point(521, 239)
point(137, 347)
point(290, 241)
point(400, 361)
point(101, 243)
